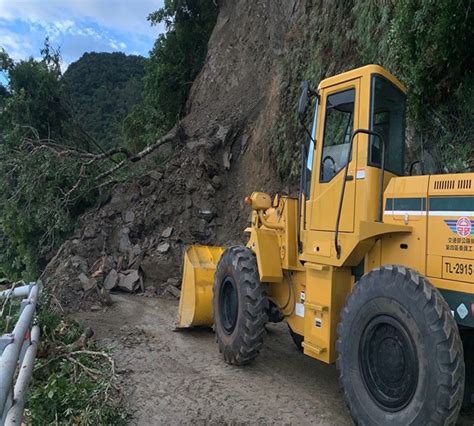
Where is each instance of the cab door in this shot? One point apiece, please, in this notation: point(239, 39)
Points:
point(340, 117)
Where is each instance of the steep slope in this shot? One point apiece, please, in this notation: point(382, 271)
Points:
point(222, 154)
point(240, 134)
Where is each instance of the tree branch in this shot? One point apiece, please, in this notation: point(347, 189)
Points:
point(147, 151)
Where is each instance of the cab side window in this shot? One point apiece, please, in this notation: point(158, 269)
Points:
point(338, 128)
point(388, 119)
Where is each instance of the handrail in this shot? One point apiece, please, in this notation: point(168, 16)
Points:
point(18, 350)
point(346, 169)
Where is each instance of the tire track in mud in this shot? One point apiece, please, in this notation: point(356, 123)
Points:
point(180, 377)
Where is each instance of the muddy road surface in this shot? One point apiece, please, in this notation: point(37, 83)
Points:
point(179, 377)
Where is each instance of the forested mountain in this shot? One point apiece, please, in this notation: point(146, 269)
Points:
point(220, 89)
point(102, 89)
point(65, 140)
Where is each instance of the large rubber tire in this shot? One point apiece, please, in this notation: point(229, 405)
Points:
point(467, 337)
point(240, 306)
point(400, 356)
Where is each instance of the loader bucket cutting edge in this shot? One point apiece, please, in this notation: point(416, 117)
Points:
point(195, 304)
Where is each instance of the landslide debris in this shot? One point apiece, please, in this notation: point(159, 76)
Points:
point(135, 241)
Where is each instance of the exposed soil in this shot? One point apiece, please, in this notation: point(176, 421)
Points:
point(179, 377)
point(221, 153)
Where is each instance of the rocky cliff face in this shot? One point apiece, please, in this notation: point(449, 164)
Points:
point(223, 153)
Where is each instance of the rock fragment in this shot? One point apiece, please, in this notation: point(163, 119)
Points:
point(89, 232)
point(129, 216)
point(206, 214)
point(129, 280)
point(226, 156)
point(171, 289)
point(111, 280)
point(105, 297)
point(87, 283)
point(175, 282)
point(167, 232)
point(163, 248)
point(216, 182)
point(124, 240)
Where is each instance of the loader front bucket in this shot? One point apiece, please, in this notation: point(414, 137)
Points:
point(195, 304)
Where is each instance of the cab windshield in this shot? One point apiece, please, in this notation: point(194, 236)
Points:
point(387, 117)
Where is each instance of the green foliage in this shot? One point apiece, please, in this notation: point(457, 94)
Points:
point(425, 43)
point(35, 215)
point(142, 127)
point(431, 42)
point(45, 141)
point(102, 89)
point(175, 60)
point(178, 55)
point(39, 198)
point(319, 52)
point(9, 314)
point(62, 389)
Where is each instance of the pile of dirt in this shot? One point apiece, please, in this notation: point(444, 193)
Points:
point(136, 240)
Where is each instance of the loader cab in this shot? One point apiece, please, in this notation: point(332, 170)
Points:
point(367, 98)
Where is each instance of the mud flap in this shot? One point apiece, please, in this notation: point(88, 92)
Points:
point(195, 304)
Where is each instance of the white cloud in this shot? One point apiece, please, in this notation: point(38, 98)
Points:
point(59, 15)
point(77, 26)
point(16, 45)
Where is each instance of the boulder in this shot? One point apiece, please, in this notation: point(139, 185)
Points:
point(171, 289)
point(157, 269)
point(111, 280)
point(86, 282)
point(129, 280)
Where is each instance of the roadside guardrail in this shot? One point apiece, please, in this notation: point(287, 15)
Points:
point(17, 354)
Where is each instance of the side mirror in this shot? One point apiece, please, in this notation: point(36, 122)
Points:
point(303, 101)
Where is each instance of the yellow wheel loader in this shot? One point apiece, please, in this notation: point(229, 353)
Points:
point(371, 269)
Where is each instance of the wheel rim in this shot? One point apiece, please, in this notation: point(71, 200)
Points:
point(228, 305)
point(389, 363)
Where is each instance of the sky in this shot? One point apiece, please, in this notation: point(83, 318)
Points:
point(76, 27)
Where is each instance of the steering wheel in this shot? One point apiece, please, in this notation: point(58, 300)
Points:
point(334, 165)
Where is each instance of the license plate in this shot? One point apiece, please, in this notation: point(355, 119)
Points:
point(458, 269)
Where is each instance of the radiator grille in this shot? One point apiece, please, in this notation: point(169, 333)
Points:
point(464, 184)
point(444, 184)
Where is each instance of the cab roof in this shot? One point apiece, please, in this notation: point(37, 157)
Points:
point(365, 71)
